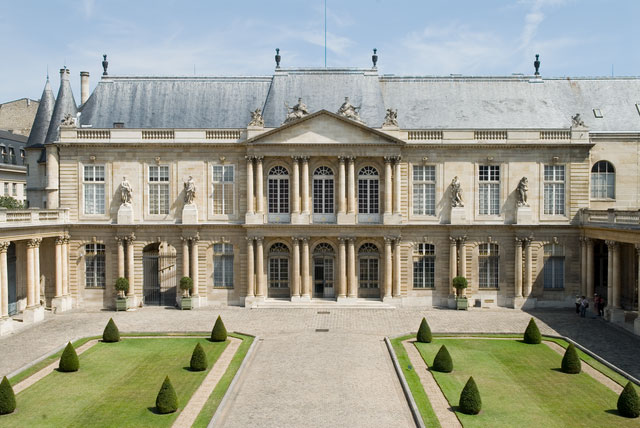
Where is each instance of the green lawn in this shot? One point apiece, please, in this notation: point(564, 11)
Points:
point(116, 385)
point(521, 386)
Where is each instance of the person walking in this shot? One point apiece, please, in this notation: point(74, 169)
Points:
point(578, 303)
point(601, 305)
point(583, 306)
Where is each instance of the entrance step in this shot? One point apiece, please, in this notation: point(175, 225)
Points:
point(322, 304)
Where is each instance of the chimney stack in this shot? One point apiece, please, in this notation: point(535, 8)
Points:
point(84, 86)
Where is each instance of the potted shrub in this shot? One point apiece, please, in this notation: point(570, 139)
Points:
point(186, 285)
point(122, 286)
point(460, 283)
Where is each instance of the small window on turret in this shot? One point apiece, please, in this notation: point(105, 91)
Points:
point(638, 107)
point(118, 125)
point(597, 113)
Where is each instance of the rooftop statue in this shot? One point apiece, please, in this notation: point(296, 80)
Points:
point(296, 112)
point(577, 121)
point(189, 191)
point(456, 193)
point(523, 188)
point(256, 118)
point(349, 111)
point(126, 192)
point(68, 120)
point(391, 118)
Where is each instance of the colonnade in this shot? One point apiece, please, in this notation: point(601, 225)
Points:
point(523, 267)
point(346, 185)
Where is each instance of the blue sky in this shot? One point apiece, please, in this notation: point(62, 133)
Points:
point(413, 37)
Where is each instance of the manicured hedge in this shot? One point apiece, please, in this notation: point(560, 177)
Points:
point(532, 333)
point(424, 332)
point(628, 402)
point(167, 400)
point(470, 402)
point(111, 333)
point(7, 397)
point(571, 362)
point(69, 360)
point(442, 362)
point(219, 332)
point(198, 359)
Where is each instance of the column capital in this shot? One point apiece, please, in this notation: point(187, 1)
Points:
point(388, 240)
point(304, 159)
point(351, 159)
point(461, 239)
point(4, 246)
point(388, 159)
point(397, 158)
point(342, 159)
point(295, 239)
point(638, 248)
point(612, 245)
point(519, 241)
point(296, 158)
point(34, 243)
point(249, 158)
point(304, 239)
point(259, 158)
point(342, 239)
point(453, 240)
point(397, 240)
point(259, 239)
point(129, 238)
point(195, 238)
point(61, 239)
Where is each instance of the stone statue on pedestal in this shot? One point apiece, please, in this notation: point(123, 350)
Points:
point(349, 111)
point(456, 193)
point(256, 118)
point(189, 191)
point(296, 112)
point(391, 118)
point(126, 192)
point(523, 188)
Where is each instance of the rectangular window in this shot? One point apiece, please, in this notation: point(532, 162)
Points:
point(424, 190)
point(424, 266)
point(489, 177)
point(93, 183)
point(94, 266)
point(159, 189)
point(222, 265)
point(14, 189)
point(223, 178)
point(553, 266)
point(554, 189)
point(6, 189)
point(488, 265)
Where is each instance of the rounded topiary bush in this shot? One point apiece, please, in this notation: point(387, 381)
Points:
point(571, 362)
point(167, 400)
point(532, 333)
point(69, 360)
point(111, 333)
point(186, 285)
point(442, 362)
point(122, 286)
point(198, 359)
point(628, 402)
point(424, 332)
point(7, 397)
point(219, 332)
point(470, 402)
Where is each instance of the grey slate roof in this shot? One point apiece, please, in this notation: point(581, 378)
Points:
point(43, 117)
point(518, 102)
point(65, 104)
point(11, 138)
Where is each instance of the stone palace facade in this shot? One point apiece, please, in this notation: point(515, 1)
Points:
point(330, 184)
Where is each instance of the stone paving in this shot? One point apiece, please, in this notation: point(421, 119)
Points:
point(303, 377)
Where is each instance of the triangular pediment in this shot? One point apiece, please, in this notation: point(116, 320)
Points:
point(324, 127)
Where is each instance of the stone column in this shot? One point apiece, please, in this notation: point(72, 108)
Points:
point(396, 185)
point(259, 186)
point(4, 280)
point(353, 286)
point(342, 200)
point(388, 268)
point(305, 268)
point(52, 167)
point(36, 272)
point(31, 293)
point(590, 287)
point(342, 278)
point(396, 267)
point(453, 262)
point(583, 268)
point(185, 257)
point(261, 291)
point(351, 186)
point(463, 260)
point(195, 268)
point(250, 194)
point(250, 268)
point(388, 192)
point(610, 249)
point(120, 243)
point(295, 275)
point(305, 185)
point(59, 242)
point(295, 186)
point(130, 266)
point(518, 268)
point(527, 268)
point(65, 266)
point(616, 276)
point(638, 276)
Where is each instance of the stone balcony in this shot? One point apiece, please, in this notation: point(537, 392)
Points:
point(33, 217)
point(611, 218)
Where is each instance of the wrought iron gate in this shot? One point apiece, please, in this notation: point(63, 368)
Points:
point(159, 286)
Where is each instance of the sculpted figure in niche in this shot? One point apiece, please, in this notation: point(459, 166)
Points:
point(523, 188)
point(456, 193)
point(189, 191)
point(296, 112)
point(256, 118)
point(126, 192)
point(350, 111)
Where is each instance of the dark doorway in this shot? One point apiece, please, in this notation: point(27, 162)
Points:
point(159, 272)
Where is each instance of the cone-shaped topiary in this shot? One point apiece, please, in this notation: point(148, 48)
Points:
point(167, 400)
point(470, 402)
point(571, 362)
point(628, 402)
point(198, 359)
point(219, 332)
point(111, 332)
point(69, 360)
point(532, 334)
point(7, 397)
point(442, 362)
point(424, 332)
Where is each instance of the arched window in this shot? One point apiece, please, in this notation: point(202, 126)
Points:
point(94, 265)
point(368, 191)
point(323, 265)
point(603, 180)
point(278, 182)
point(222, 265)
point(424, 265)
point(369, 258)
point(279, 266)
point(488, 264)
point(323, 190)
point(553, 266)
point(12, 156)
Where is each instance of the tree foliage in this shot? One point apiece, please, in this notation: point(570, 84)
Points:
point(10, 203)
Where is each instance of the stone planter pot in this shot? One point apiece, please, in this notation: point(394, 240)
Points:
point(462, 303)
point(185, 303)
point(122, 304)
